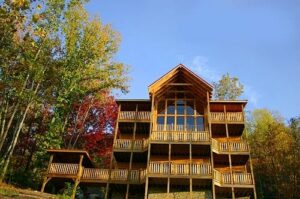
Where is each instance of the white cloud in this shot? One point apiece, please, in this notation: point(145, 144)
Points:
point(252, 95)
point(200, 65)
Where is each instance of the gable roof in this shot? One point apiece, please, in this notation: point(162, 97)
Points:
point(191, 77)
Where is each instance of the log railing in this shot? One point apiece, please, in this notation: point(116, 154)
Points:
point(128, 144)
point(175, 168)
point(63, 169)
point(180, 136)
point(179, 128)
point(230, 146)
point(134, 176)
point(95, 174)
point(238, 178)
point(119, 175)
point(133, 115)
point(229, 117)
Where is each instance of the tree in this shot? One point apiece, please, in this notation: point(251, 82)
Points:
point(52, 55)
point(272, 153)
point(294, 126)
point(228, 88)
point(92, 125)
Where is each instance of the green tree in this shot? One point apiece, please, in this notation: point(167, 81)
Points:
point(52, 55)
point(228, 88)
point(271, 150)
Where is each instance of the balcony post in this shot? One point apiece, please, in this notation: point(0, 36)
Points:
point(112, 155)
point(79, 174)
point(211, 148)
point(46, 179)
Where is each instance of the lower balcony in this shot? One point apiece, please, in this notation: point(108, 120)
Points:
point(230, 146)
point(131, 145)
point(118, 176)
point(66, 170)
point(197, 170)
point(180, 136)
point(236, 179)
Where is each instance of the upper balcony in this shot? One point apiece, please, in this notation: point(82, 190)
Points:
point(180, 135)
point(125, 145)
point(230, 146)
point(134, 116)
point(229, 117)
point(236, 179)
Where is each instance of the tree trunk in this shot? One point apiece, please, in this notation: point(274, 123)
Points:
point(14, 142)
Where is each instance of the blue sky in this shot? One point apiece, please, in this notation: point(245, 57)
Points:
point(257, 41)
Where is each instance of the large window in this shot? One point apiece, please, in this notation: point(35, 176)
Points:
point(180, 114)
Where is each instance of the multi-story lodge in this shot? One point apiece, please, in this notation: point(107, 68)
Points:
point(178, 144)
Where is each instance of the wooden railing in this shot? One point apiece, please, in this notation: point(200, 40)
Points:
point(180, 136)
point(238, 178)
point(229, 117)
point(230, 146)
point(128, 144)
point(175, 168)
point(63, 169)
point(133, 115)
point(134, 176)
point(182, 128)
point(95, 174)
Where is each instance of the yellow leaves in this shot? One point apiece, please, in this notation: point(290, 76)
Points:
point(35, 17)
point(18, 3)
point(39, 7)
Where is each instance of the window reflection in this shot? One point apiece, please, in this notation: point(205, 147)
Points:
point(180, 111)
point(180, 107)
point(190, 107)
point(171, 107)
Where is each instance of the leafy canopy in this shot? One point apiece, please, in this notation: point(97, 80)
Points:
point(228, 88)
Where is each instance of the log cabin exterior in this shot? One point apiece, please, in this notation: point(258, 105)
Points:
point(179, 143)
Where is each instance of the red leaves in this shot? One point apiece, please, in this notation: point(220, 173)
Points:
point(92, 125)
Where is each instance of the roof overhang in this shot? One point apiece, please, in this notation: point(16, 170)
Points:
point(188, 79)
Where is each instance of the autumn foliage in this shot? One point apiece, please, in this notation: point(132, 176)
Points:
point(92, 125)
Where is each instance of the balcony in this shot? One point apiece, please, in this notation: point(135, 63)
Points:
point(199, 170)
point(65, 170)
point(230, 146)
point(231, 117)
point(181, 134)
point(236, 179)
point(131, 145)
point(141, 116)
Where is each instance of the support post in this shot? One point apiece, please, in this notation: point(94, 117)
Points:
point(46, 179)
point(149, 144)
point(77, 180)
point(112, 155)
point(211, 152)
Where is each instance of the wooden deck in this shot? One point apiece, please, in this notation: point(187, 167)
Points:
point(132, 116)
point(180, 136)
point(138, 145)
point(235, 147)
point(197, 170)
point(230, 117)
point(234, 179)
point(66, 170)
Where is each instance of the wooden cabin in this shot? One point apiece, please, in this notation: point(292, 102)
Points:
point(179, 143)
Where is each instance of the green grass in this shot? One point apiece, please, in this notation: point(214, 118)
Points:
point(8, 192)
